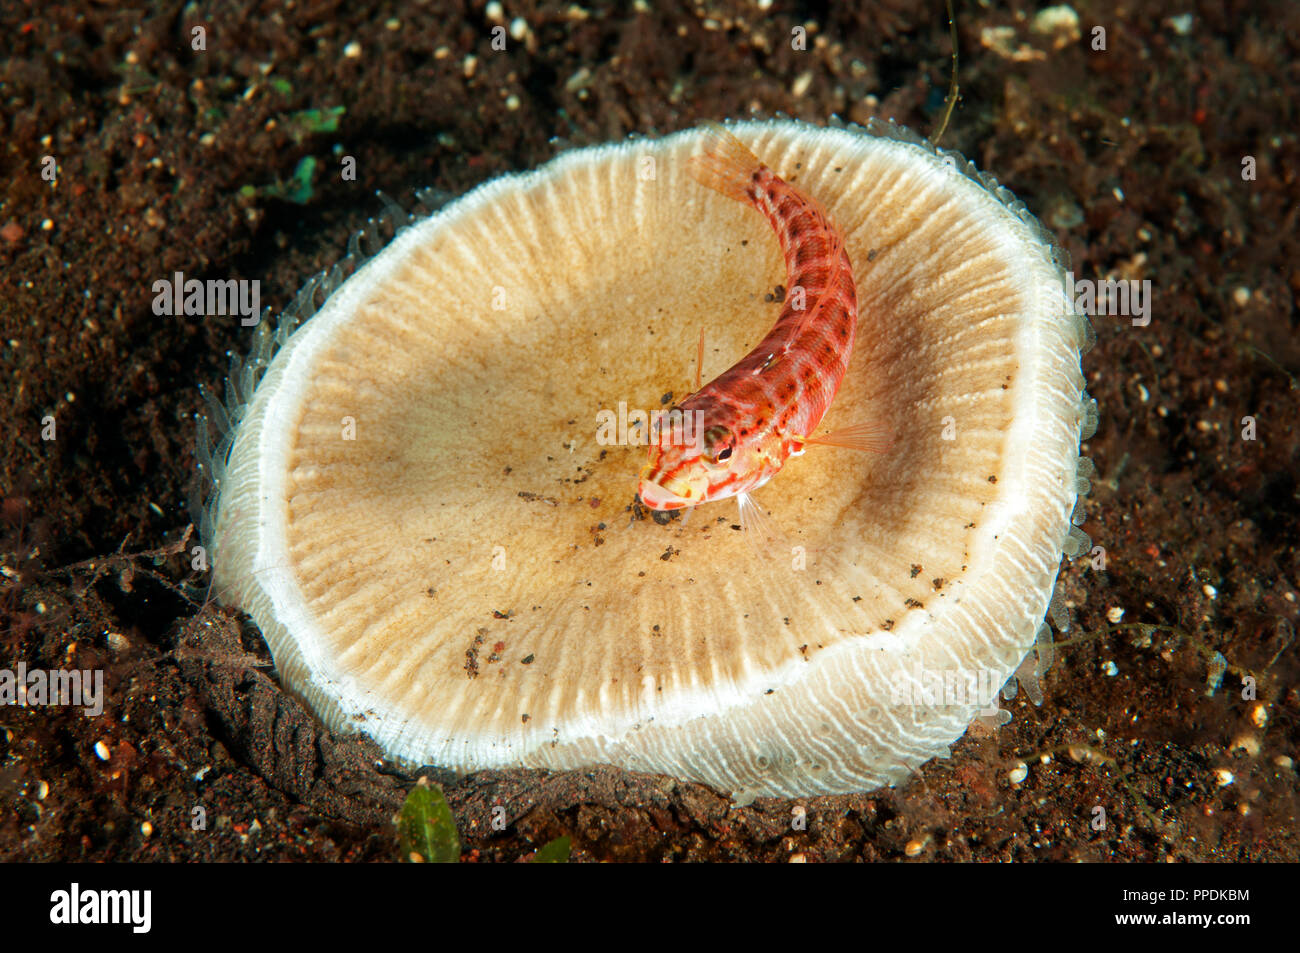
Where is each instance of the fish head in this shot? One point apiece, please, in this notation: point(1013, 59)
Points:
point(714, 467)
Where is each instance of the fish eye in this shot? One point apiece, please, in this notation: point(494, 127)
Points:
point(718, 445)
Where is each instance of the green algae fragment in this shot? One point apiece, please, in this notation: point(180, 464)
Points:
point(554, 852)
point(299, 187)
point(311, 121)
point(426, 829)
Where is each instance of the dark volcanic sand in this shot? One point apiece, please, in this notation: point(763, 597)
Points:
point(155, 143)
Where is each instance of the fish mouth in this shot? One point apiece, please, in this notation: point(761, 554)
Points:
point(658, 497)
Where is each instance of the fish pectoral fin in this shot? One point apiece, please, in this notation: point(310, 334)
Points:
point(756, 529)
point(872, 437)
point(752, 518)
point(767, 543)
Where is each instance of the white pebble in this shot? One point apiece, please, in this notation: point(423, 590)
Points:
point(494, 12)
point(102, 751)
point(1210, 591)
point(1241, 296)
point(1018, 773)
point(353, 50)
point(1110, 668)
point(1057, 19)
point(1224, 777)
point(1114, 614)
point(1247, 743)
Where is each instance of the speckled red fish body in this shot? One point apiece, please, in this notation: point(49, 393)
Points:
point(758, 412)
point(789, 379)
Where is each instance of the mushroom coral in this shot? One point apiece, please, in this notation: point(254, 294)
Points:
point(413, 505)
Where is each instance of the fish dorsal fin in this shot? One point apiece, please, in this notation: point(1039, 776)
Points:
point(699, 362)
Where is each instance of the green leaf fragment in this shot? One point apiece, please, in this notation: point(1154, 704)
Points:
point(554, 852)
point(426, 829)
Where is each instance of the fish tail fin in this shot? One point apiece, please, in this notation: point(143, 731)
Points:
point(725, 165)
